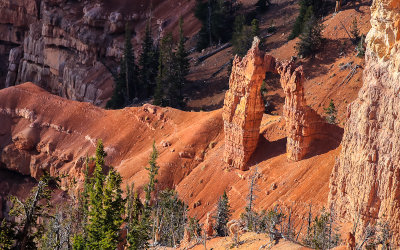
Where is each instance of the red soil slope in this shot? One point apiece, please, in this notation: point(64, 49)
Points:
point(192, 163)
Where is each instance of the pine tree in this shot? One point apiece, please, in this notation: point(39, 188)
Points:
point(7, 235)
point(355, 31)
point(261, 5)
point(222, 216)
point(148, 63)
point(182, 62)
point(36, 206)
point(172, 218)
point(105, 208)
point(130, 66)
point(153, 172)
point(166, 91)
point(96, 219)
point(311, 38)
point(137, 223)
point(113, 210)
point(331, 113)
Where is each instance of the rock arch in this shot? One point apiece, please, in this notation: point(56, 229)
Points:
point(243, 108)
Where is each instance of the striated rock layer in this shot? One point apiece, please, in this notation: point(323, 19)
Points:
point(244, 108)
point(69, 47)
point(365, 183)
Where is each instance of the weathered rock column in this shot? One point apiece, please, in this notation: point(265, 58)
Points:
point(365, 182)
point(244, 107)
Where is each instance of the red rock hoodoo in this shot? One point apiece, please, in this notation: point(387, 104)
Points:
point(303, 124)
point(244, 107)
point(365, 183)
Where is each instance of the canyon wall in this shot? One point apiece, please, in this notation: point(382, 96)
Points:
point(365, 183)
point(244, 108)
point(70, 47)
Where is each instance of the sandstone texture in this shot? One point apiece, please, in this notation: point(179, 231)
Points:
point(70, 47)
point(303, 124)
point(244, 108)
point(365, 183)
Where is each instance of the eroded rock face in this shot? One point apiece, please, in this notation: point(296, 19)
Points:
point(365, 182)
point(61, 46)
point(244, 107)
point(303, 124)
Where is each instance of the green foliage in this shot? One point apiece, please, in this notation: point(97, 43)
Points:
point(360, 47)
point(182, 64)
point(321, 233)
point(7, 235)
point(171, 218)
point(308, 8)
point(243, 35)
point(137, 223)
point(148, 63)
point(217, 17)
point(222, 215)
point(105, 207)
point(311, 39)
point(167, 89)
point(153, 172)
point(355, 31)
point(126, 81)
point(331, 113)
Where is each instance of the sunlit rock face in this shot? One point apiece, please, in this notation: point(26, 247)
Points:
point(365, 183)
point(244, 108)
point(60, 46)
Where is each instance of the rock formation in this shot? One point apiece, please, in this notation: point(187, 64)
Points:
point(244, 107)
point(365, 183)
point(67, 47)
point(303, 124)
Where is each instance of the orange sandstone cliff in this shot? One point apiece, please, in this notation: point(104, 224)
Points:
point(365, 183)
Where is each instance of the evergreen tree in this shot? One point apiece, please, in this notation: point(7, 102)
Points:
point(331, 113)
point(243, 35)
point(126, 87)
point(36, 206)
point(130, 66)
point(137, 223)
point(7, 235)
point(171, 216)
point(105, 208)
point(222, 216)
point(183, 66)
point(166, 91)
point(148, 63)
point(217, 17)
point(311, 39)
point(355, 32)
point(153, 172)
point(308, 8)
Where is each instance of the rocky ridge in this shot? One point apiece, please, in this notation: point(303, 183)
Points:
point(365, 181)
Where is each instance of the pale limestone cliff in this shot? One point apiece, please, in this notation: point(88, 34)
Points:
point(365, 183)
